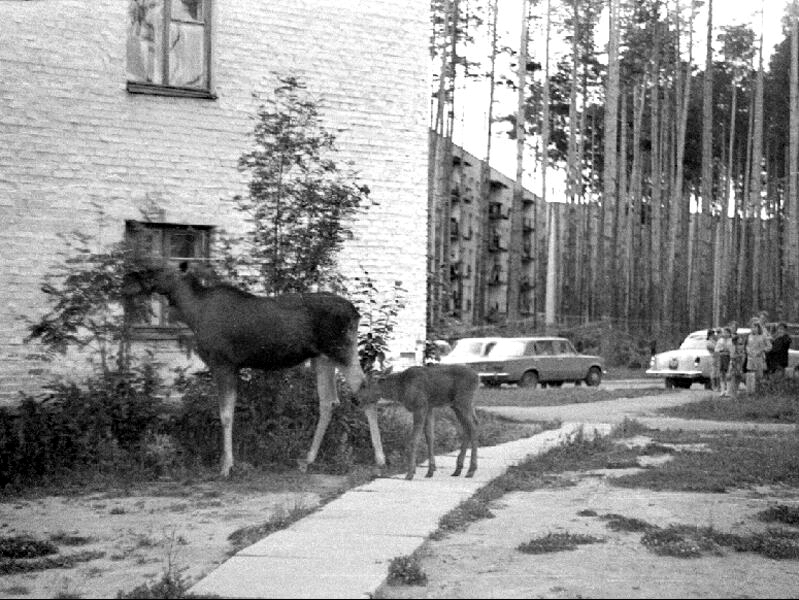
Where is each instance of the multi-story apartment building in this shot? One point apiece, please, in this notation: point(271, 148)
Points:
point(458, 288)
point(115, 113)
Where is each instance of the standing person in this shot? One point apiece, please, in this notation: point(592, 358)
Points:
point(724, 350)
point(777, 357)
point(757, 344)
point(712, 338)
point(735, 373)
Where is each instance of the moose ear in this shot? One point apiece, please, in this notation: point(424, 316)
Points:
point(184, 266)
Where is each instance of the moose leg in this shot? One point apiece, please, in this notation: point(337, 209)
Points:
point(326, 387)
point(355, 377)
point(429, 434)
point(418, 425)
point(374, 432)
point(226, 382)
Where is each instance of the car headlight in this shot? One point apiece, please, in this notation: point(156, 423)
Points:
point(652, 363)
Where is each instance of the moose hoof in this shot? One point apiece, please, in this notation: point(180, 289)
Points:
point(409, 476)
point(302, 465)
point(469, 473)
point(456, 473)
point(430, 473)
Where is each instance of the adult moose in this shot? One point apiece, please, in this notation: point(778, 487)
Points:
point(235, 329)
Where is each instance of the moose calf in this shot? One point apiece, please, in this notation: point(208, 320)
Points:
point(420, 389)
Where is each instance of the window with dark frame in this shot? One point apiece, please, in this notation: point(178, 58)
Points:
point(169, 47)
point(171, 245)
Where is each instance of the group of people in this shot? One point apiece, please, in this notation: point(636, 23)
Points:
point(738, 358)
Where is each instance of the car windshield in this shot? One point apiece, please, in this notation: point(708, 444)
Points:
point(507, 349)
point(694, 343)
point(469, 348)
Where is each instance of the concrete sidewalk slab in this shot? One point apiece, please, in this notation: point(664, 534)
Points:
point(343, 550)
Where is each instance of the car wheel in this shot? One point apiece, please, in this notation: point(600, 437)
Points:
point(669, 383)
point(594, 377)
point(555, 383)
point(708, 385)
point(529, 379)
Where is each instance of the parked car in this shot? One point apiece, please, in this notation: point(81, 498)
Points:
point(691, 362)
point(528, 361)
point(469, 350)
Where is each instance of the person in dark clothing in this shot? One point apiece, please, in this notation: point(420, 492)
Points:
point(777, 357)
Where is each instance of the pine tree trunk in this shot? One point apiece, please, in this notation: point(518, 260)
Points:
point(755, 187)
point(791, 252)
point(552, 224)
point(517, 223)
point(610, 175)
point(482, 237)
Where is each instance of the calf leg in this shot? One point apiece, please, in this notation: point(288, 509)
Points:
point(471, 420)
point(418, 425)
point(326, 387)
point(226, 382)
point(468, 421)
point(429, 434)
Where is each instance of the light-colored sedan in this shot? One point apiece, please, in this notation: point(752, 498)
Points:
point(469, 350)
point(691, 362)
point(529, 361)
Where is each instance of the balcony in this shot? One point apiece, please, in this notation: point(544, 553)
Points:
point(454, 229)
point(495, 211)
point(496, 243)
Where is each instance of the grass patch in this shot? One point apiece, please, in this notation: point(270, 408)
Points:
point(16, 590)
point(781, 513)
point(774, 403)
point(514, 396)
point(557, 542)
point(732, 461)
point(460, 517)
point(66, 561)
point(70, 539)
point(406, 570)
point(25, 547)
point(685, 541)
point(246, 536)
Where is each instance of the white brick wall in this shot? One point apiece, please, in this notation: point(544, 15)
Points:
point(72, 138)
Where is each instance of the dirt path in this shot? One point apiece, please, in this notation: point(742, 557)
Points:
point(138, 536)
point(483, 562)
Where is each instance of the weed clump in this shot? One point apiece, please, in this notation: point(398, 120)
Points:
point(406, 570)
point(25, 547)
point(781, 513)
point(617, 522)
point(557, 542)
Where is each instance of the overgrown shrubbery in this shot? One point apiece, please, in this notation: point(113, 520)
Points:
point(102, 427)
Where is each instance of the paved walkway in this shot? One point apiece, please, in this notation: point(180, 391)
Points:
point(343, 550)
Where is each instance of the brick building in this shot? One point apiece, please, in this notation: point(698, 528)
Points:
point(103, 125)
